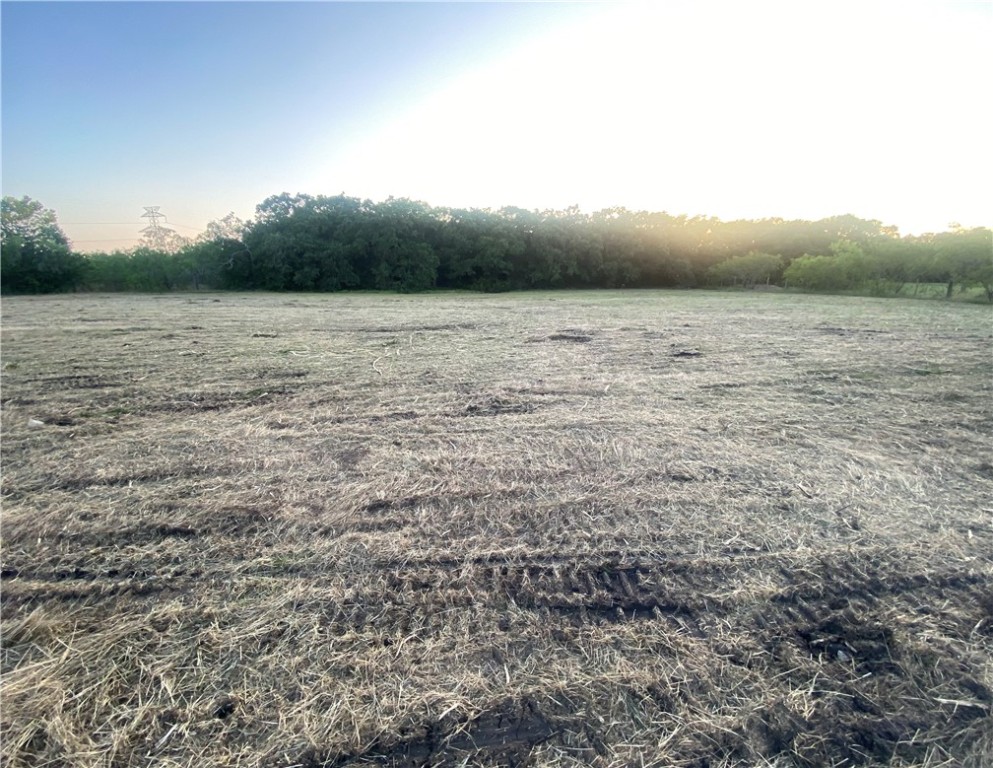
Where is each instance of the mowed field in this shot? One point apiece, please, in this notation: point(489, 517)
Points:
point(607, 529)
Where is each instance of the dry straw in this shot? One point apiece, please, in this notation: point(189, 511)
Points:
point(608, 529)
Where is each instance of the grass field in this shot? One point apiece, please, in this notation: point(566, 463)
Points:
point(607, 529)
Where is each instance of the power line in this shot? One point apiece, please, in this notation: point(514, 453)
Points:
point(125, 223)
point(184, 226)
point(108, 240)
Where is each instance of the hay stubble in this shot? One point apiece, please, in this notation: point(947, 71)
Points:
point(567, 529)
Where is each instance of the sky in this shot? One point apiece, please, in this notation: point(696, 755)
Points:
point(748, 109)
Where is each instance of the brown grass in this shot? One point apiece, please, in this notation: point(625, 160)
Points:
point(609, 529)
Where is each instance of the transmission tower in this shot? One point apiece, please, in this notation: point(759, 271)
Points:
point(155, 235)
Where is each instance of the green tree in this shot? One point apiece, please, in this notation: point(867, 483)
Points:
point(110, 272)
point(35, 255)
point(892, 262)
point(399, 234)
point(155, 270)
point(967, 255)
point(749, 270)
point(845, 269)
point(812, 273)
point(304, 243)
point(850, 264)
point(207, 260)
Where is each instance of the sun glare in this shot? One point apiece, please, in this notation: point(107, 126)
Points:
point(734, 111)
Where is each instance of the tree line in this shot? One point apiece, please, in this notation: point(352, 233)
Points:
point(319, 243)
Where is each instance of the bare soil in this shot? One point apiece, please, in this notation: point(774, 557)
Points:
point(606, 528)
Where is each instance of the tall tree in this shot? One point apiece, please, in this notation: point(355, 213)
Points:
point(35, 255)
point(967, 255)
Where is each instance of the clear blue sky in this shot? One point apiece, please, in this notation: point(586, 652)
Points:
point(730, 109)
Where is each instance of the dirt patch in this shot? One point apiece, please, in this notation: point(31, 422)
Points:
point(76, 381)
point(422, 328)
point(496, 405)
point(568, 336)
point(195, 402)
point(506, 735)
point(849, 640)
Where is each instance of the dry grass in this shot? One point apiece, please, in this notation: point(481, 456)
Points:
point(609, 529)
